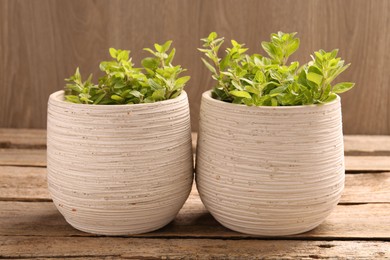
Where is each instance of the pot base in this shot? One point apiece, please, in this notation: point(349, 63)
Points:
point(121, 231)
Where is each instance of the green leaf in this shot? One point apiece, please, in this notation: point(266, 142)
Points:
point(119, 84)
point(149, 50)
point(174, 94)
point(237, 85)
point(292, 47)
point(240, 93)
point(153, 84)
point(269, 49)
point(252, 90)
point(315, 70)
point(209, 66)
point(159, 94)
point(73, 99)
point(166, 46)
point(113, 52)
point(150, 72)
point(343, 87)
point(136, 93)
point(182, 81)
point(219, 94)
point(74, 87)
point(334, 53)
point(330, 98)
point(158, 47)
point(260, 77)
point(170, 56)
point(212, 36)
point(278, 90)
point(274, 102)
point(123, 55)
point(314, 77)
point(116, 97)
point(150, 63)
point(99, 98)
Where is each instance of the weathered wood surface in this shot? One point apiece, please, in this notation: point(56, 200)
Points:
point(23, 184)
point(362, 221)
point(160, 248)
point(32, 157)
point(32, 227)
point(367, 188)
point(377, 147)
point(29, 184)
point(22, 138)
point(369, 145)
point(367, 163)
point(23, 157)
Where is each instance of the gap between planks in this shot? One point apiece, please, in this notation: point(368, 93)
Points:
point(22, 138)
point(363, 221)
point(369, 145)
point(37, 158)
point(29, 184)
point(363, 153)
point(84, 247)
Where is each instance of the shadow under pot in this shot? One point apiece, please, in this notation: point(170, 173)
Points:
point(270, 170)
point(119, 169)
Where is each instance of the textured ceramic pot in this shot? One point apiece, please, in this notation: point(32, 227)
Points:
point(270, 170)
point(119, 169)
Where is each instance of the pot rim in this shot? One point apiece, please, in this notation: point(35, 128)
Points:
point(207, 96)
point(58, 97)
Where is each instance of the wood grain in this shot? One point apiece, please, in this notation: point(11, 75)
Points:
point(23, 157)
point(31, 226)
point(366, 188)
point(101, 247)
point(20, 138)
point(32, 157)
point(361, 221)
point(29, 184)
point(367, 163)
point(42, 42)
point(354, 145)
point(23, 184)
point(368, 145)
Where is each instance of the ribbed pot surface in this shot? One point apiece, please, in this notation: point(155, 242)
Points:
point(270, 170)
point(119, 169)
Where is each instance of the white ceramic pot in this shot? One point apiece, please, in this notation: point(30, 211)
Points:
point(119, 169)
point(270, 170)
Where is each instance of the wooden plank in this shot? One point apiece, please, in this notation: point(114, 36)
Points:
point(23, 184)
point(32, 157)
point(367, 163)
point(353, 144)
point(29, 184)
point(362, 221)
point(23, 157)
point(22, 138)
point(368, 145)
point(111, 247)
point(367, 188)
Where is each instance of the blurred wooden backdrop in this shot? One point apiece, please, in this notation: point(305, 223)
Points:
point(43, 41)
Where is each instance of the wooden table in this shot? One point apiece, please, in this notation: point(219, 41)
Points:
point(31, 227)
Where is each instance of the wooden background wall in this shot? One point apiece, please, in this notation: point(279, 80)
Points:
point(42, 42)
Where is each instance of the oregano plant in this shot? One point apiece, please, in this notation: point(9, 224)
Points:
point(272, 81)
point(123, 83)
